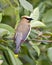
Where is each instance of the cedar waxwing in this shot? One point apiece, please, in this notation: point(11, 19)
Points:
point(22, 31)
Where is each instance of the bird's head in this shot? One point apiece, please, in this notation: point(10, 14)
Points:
point(27, 18)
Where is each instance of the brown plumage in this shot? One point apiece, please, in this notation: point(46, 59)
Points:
point(22, 31)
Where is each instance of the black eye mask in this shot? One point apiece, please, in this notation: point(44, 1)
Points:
point(29, 19)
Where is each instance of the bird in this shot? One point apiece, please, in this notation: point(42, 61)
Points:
point(22, 32)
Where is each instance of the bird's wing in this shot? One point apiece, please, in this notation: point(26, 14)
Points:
point(18, 38)
point(26, 33)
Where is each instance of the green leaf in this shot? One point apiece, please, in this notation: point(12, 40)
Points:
point(49, 52)
point(4, 60)
point(26, 5)
point(3, 32)
point(47, 19)
point(35, 14)
point(36, 49)
point(10, 57)
point(7, 27)
point(16, 2)
point(29, 60)
point(43, 60)
point(37, 24)
point(0, 17)
point(17, 17)
point(47, 33)
point(9, 11)
point(18, 61)
point(1, 61)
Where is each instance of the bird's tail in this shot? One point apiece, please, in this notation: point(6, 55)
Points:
point(17, 43)
point(17, 50)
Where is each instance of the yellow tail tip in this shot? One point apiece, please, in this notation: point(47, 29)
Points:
point(16, 55)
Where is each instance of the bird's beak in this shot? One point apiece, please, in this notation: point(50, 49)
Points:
point(31, 19)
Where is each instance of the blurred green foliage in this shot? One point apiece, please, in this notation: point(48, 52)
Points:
point(37, 50)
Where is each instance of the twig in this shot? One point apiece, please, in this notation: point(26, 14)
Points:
point(40, 40)
point(49, 41)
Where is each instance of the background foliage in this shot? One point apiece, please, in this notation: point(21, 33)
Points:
point(37, 50)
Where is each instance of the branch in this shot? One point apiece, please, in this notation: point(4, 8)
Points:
point(49, 41)
point(40, 40)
